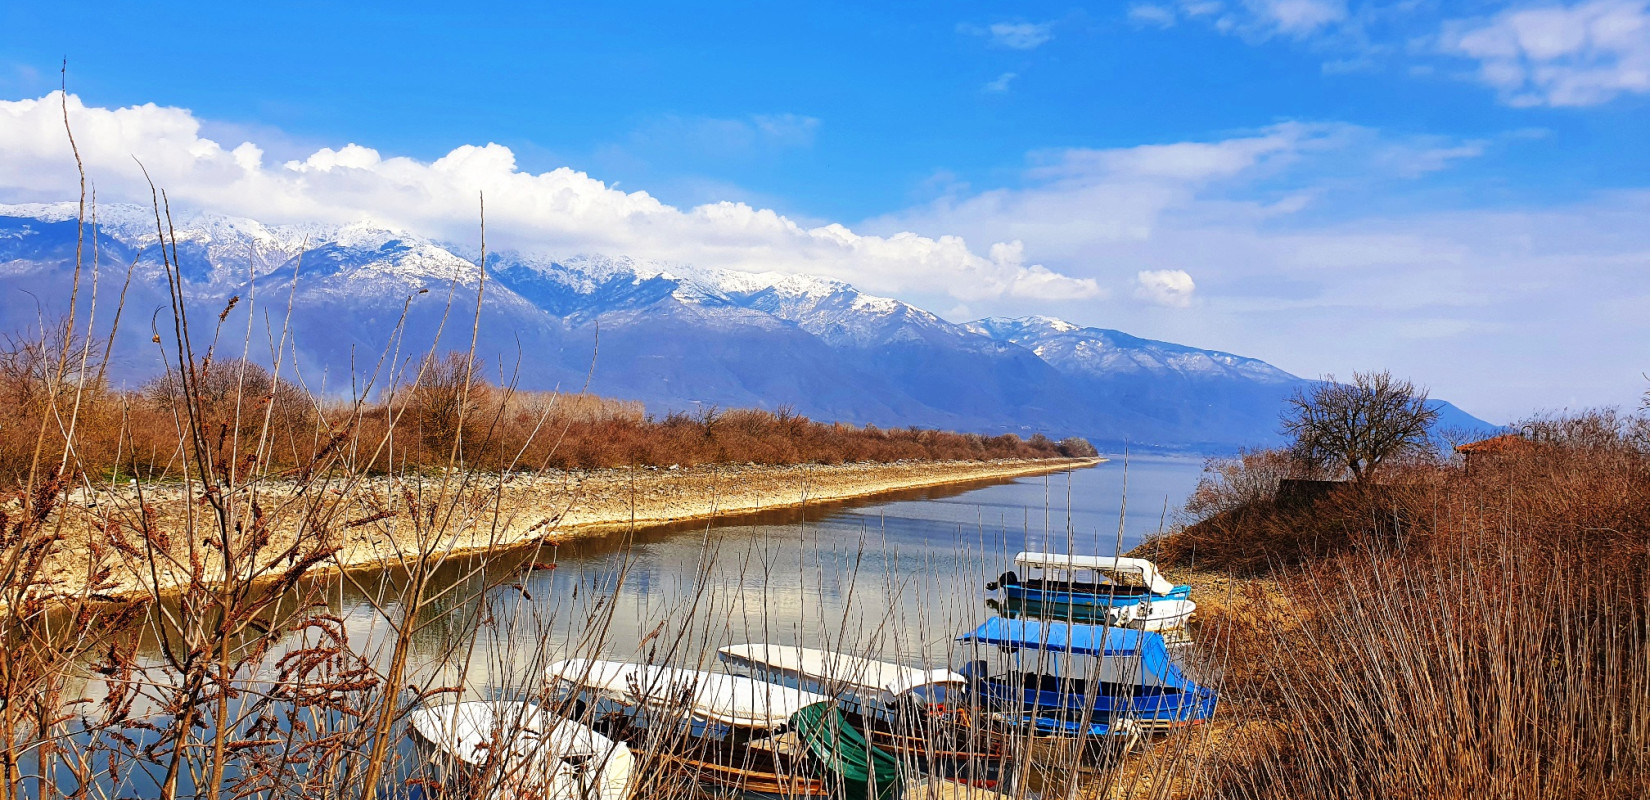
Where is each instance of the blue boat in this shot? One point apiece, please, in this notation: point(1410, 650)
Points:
point(1063, 579)
point(1069, 678)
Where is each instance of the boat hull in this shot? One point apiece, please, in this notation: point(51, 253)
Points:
point(1049, 597)
point(1153, 709)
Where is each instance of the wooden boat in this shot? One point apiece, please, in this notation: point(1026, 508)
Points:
point(918, 714)
point(1087, 680)
point(727, 732)
point(507, 749)
point(1086, 581)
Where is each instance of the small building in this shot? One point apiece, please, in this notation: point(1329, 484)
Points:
point(1493, 448)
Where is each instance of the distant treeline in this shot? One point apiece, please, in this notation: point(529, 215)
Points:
point(444, 413)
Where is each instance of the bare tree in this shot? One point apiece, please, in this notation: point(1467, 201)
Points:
point(1357, 427)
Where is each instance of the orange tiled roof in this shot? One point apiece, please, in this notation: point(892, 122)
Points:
point(1494, 444)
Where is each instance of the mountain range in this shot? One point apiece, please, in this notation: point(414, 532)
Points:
point(365, 299)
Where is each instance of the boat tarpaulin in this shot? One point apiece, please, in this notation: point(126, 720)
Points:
point(840, 668)
point(1147, 571)
point(1089, 640)
point(728, 699)
point(866, 769)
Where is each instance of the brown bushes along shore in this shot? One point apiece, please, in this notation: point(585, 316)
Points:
point(126, 434)
point(1452, 632)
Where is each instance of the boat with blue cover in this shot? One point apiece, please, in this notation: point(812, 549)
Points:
point(1055, 579)
point(1073, 679)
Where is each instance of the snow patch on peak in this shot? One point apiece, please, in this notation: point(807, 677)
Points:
point(370, 235)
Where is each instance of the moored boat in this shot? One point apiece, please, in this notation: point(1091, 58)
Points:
point(1075, 679)
point(918, 714)
point(506, 750)
point(1054, 579)
point(730, 733)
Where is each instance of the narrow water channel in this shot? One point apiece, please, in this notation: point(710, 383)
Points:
point(897, 576)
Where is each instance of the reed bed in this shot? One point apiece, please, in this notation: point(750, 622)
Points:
point(1473, 627)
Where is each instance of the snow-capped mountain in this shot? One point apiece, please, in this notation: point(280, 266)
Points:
point(1097, 352)
point(366, 298)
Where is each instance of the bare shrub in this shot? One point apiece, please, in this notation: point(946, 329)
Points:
point(1251, 476)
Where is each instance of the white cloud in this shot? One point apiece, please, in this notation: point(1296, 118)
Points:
point(1560, 55)
point(999, 84)
point(561, 211)
point(1013, 35)
point(1022, 35)
point(1297, 17)
point(1148, 14)
point(1252, 19)
point(1165, 287)
point(1312, 250)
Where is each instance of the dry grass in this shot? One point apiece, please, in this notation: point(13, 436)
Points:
point(141, 433)
point(1451, 633)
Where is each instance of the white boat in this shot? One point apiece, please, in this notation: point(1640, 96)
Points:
point(714, 697)
point(920, 715)
point(1158, 616)
point(544, 756)
point(864, 685)
point(1055, 579)
point(729, 733)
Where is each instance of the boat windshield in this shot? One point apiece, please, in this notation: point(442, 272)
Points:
point(1094, 577)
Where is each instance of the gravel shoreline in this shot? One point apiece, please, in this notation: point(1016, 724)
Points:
point(375, 523)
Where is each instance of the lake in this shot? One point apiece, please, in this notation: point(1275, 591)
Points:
point(898, 576)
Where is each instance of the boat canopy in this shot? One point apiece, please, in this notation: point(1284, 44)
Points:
point(1147, 571)
point(824, 666)
point(729, 699)
point(1088, 640)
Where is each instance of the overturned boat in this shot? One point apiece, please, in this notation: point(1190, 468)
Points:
point(506, 750)
point(728, 732)
point(1085, 680)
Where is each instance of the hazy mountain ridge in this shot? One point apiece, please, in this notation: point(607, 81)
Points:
point(673, 336)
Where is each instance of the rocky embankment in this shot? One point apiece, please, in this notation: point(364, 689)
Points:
point(136, 541)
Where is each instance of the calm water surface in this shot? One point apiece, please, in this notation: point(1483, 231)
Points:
point(899, 577)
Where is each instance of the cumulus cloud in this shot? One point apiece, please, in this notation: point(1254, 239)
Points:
point(1560, 55)
point(1013, 35)
point(1314, 251)
point(559, 212)
point(1165, 287)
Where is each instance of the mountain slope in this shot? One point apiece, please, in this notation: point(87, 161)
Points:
point(367, 301)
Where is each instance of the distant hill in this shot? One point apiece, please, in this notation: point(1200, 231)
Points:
point(674, 337)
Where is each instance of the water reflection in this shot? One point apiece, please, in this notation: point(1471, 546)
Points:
point(897, 577)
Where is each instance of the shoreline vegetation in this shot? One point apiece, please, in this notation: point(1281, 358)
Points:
point(1471, 624)
point(513, 512)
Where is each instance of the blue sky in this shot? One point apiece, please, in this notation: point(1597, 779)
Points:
point(1449, 190)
